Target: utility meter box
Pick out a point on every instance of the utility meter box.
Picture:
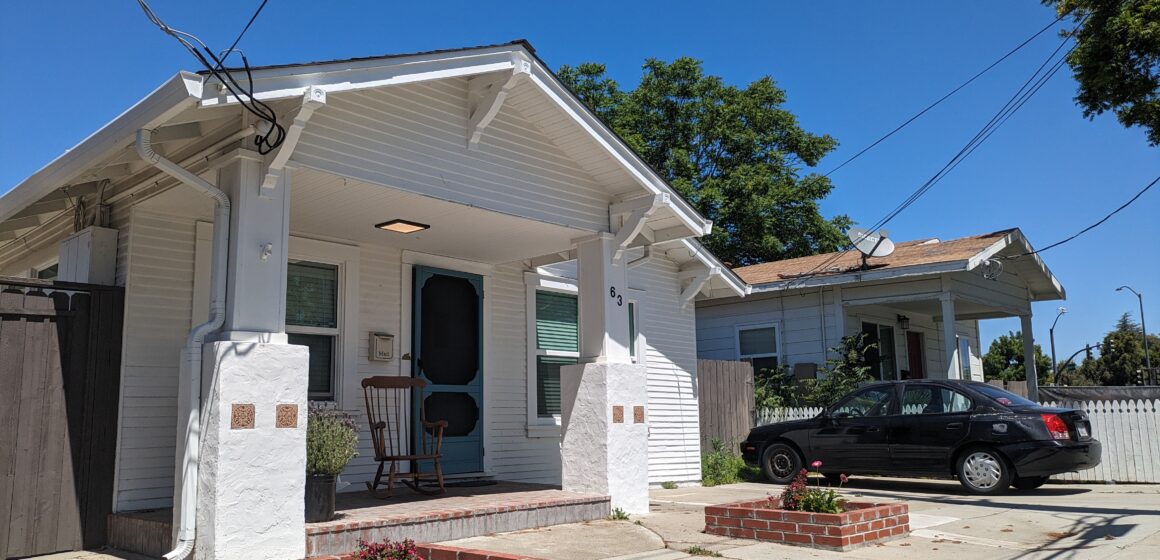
(89, 256)
(382, 347)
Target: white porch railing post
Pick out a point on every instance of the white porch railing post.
(950, 343)
(1029, 356)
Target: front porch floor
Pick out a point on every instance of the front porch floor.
(460, 513)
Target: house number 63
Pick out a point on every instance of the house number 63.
(619, 298)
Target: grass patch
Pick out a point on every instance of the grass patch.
(669, 485)
(698, 551)
(722, 467)
(618, 515)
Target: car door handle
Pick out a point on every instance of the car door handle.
(954, 425)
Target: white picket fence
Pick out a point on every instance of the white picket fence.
(1128, 430)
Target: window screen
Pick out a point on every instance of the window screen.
(557, 327)
(758, 341)
(312, 295)
(321, 361)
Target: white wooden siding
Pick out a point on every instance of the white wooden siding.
(414, 138)
(158, 303)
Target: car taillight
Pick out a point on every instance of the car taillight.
(1055, 426)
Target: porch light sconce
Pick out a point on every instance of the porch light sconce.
(402, 226)
(904, 322)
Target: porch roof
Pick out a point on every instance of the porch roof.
(911, 258)
(189, 109)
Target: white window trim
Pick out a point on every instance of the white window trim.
(537, 426)
(880, 322)
(752, 326)
(34, 272)
(640, 343)
(346, 258)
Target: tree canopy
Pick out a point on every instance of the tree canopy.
(735, 153)
(1004, 360)
(1121, 360)
(1117, 59)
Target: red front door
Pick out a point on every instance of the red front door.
(915, 351)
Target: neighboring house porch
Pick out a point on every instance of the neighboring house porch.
(921, 306)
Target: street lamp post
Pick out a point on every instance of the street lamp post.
(1144, 331)
(1051, 335)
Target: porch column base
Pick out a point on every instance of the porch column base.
(251, 483)
(605, 443)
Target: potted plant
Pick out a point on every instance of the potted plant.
(331, 442)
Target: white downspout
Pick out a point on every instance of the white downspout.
(190, 367)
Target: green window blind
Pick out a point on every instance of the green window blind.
(631, 329)
(548, 384)
(557, 327)
(312, 295)
(321, 362)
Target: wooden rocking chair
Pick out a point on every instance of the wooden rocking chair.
(388, 402)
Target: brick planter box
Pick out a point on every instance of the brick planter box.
(862, 524)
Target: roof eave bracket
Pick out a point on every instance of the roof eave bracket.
(633, 215)
(314, 98)
(485, 97)
(698, 284)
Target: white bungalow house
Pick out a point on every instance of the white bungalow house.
(273, 279)
(920, 305)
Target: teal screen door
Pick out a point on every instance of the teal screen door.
(448, 354)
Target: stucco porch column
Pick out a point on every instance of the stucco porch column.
(604, 399)
(1029, 356)
(253, 448)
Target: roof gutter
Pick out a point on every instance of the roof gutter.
(189, 401)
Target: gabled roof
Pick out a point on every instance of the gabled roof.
(27, 204)
(910, 258)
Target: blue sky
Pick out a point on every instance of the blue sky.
(851, 69)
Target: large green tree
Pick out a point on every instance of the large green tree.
(1121, 360)
(1004, 360)
(737, 154)
(1117, 59)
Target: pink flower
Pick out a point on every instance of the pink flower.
(816, 464)
(844, 479)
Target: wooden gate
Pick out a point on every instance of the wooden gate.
(725, 392)
(60, 362)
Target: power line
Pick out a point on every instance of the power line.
(945, 97)
(1091, 227)
(227, 52)
(266, 142)
(1030, 87)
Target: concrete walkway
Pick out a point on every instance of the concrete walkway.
(1057, 521)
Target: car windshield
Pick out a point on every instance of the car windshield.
(1002, 397)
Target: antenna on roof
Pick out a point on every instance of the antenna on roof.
(870, 244)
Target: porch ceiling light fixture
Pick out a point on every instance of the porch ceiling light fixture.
(904, 322)
(402, 226)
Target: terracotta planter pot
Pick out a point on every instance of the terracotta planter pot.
(319, 498)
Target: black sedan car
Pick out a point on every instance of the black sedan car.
(986, 437)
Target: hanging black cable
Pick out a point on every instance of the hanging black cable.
(266, 142)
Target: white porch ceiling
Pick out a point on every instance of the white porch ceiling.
(329, 206)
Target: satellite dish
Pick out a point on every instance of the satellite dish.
(870, 244)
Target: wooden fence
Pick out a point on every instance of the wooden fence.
(1126, 429)
(725, 393)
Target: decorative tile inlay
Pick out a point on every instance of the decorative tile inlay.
(638, 415)
(287, 416)
(617, 414)
(242, 417)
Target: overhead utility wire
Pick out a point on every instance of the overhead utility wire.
(266, 142)
(945, 97)
(1029, 88)
(1091, 227)
(226, 54)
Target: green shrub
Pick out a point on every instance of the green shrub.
(669, 485)
(799, 496)
(696, 550)
(618, 515)
(331, 441)
(842, 374)
(722, 467)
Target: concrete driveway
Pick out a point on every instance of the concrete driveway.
(1056, 521)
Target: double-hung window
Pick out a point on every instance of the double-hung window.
(758, 345)
(312, 320)
(557, 338)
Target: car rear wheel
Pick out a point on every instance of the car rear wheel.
(982, 470)
(1029, 482)
(781, 463)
